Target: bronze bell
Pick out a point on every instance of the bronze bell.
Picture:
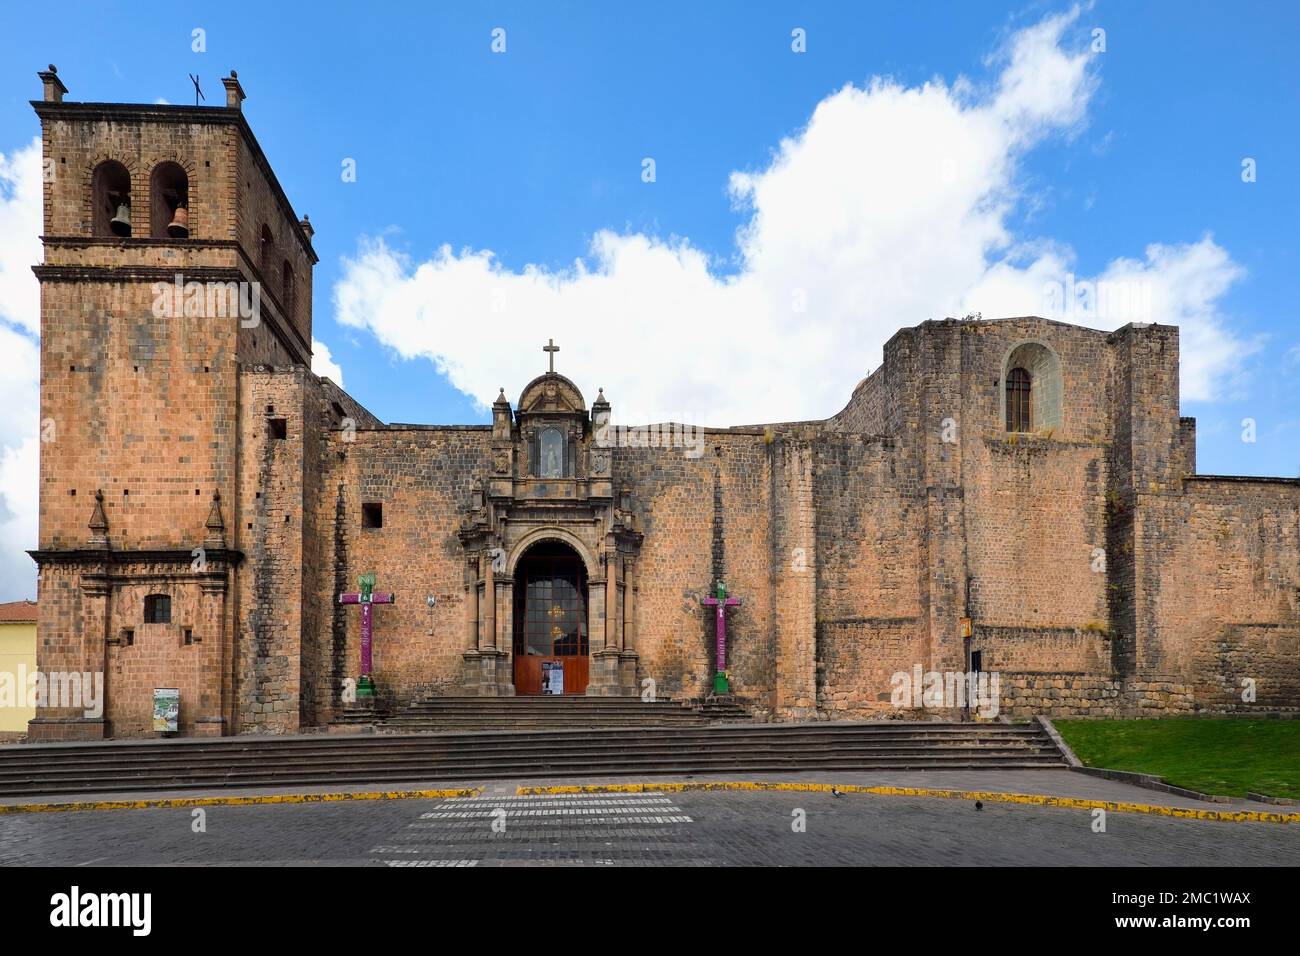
(179, 227)
(121, 221)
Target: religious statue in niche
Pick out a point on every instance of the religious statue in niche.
(551, 457)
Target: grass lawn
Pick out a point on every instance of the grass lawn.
(1226, 756)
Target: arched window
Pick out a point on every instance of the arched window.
(264, 253)
(157, 609)
(111, 200)
(550, 453)
(1033, 394)
(287, 290)
(1019, 418)
(169, 202)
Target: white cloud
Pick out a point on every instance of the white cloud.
(322, 363)
(19, 467)
(20, 243)
(888, 208)
(20, 249)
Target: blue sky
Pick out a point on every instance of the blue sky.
(536, 154)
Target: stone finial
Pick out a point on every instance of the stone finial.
(306, 226)
(501, 399)
(53, 86)
(216, 525)
(600, 398)
(234, 92)
(98, 522)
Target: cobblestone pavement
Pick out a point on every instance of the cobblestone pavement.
(498, 828)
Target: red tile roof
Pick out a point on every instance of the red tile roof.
(18, 612)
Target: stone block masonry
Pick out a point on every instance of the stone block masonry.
(195, 458)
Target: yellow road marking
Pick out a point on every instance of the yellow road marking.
(1041, 800)
(238, 801)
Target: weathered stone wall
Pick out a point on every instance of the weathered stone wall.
(704, 518)
(1093, 695)
(422, 477)
(869, 587)
(260, 204)
(269, 528)
(1225, 592)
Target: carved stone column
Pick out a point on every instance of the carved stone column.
(209, 720)
(628, 659)
(471, 604)
(489, 640)
(471, 672)
(485, 670)
(604, 678)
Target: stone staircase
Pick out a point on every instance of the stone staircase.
(433, 714)
(437, 758)
(724, 707)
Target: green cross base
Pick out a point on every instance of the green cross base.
(720, 685)
(365, 686)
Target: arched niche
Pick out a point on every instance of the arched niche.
(1042, 367)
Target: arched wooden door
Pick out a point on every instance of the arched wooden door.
(551, 644)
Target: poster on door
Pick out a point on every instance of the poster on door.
(552, 677)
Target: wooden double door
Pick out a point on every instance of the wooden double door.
(551, 643)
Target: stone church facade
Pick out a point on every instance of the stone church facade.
(205, 499)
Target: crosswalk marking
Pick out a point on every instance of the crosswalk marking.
(532, 826)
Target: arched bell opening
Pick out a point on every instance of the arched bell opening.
(169, 202)
(111, 200)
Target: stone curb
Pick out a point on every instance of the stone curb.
(1150, 781)
(1041, 800)
(1057, 739)
(237, 801)
(1265, 798)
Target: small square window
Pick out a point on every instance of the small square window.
(372, 515)
(188, 636)
(128, 636)
(158, 609)
(278, 428)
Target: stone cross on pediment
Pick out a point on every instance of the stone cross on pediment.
(551, 348)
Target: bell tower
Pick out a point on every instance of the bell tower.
(171, 259)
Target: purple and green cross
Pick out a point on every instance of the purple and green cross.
(366, 597)
(721, 602)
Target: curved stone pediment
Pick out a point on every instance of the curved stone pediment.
(551, 393)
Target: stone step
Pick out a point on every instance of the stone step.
(785, 732)
(543, 766)
(577, 752)
(184, 779)
(262, 761)
(802, 735)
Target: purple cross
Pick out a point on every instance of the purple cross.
(721, 602)
(367, 597)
